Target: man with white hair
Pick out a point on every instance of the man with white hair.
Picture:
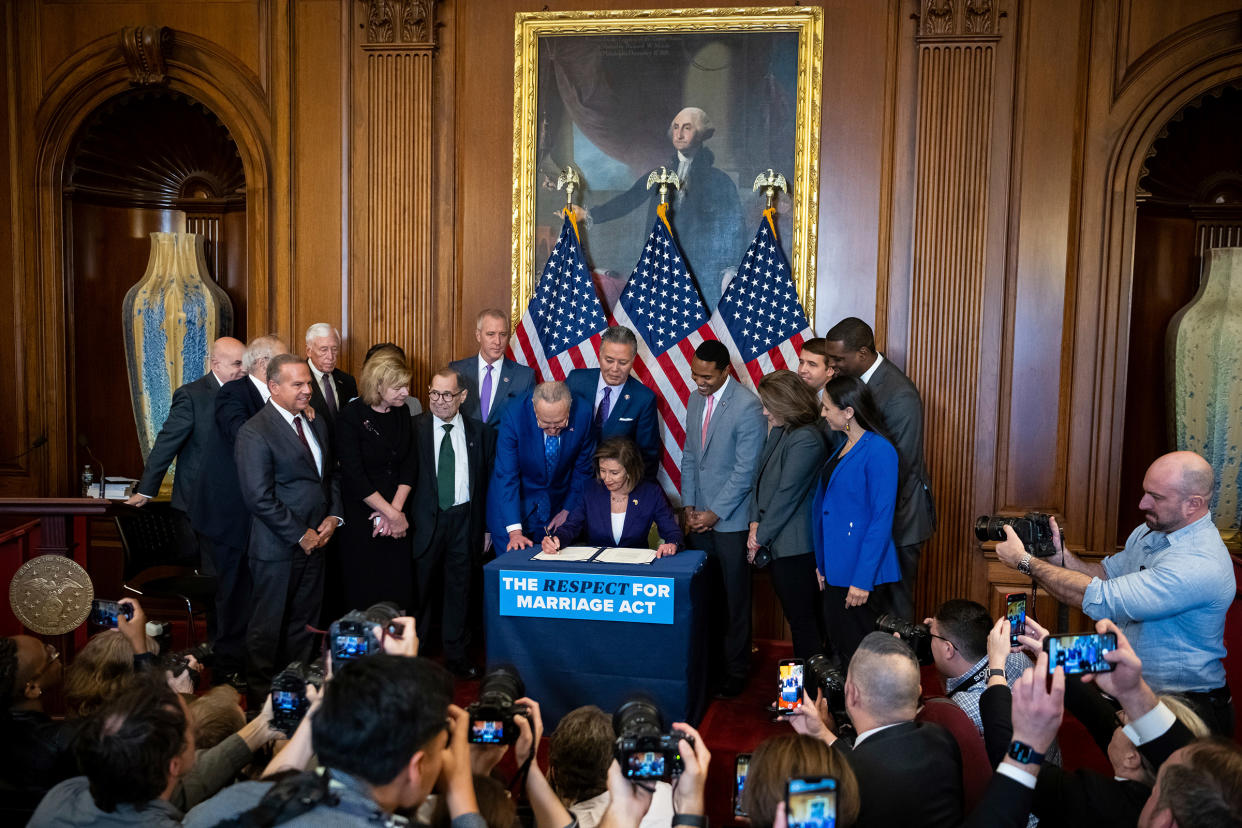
(706, 212)
(332, 387)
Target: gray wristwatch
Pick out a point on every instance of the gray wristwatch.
(1024, 565)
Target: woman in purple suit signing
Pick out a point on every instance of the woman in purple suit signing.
(618, 506)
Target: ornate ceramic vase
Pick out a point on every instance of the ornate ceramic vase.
(1204, 352)
(170, 318)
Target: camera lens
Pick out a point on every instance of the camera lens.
(501, 686)
(637, 716)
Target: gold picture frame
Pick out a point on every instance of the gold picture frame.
(718, 34)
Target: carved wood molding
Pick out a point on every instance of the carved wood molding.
(958, 18)
(400, 22)
(145, 48)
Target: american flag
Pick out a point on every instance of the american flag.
(662, 305)
(560, 329)
(759, 318)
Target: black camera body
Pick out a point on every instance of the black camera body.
(644, 749)
(1034, 529)
(917, 636)
(820, 675)
(492, 716)
(353, 634)
(289, 702)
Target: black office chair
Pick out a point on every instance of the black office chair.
(157, 564)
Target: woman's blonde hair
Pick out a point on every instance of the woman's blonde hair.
(384, 370)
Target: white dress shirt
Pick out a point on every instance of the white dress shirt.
(618, 526)
(264, 391)
(870, 372)
(316, 451)
(461, 467)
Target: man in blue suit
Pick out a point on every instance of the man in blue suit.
(725, 431)
(544, 455)
(623, 406)
(492, 381)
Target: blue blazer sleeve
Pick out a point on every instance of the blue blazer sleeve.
(571, 529)
(584, 463)
(880, 473)
(647, 435)
(504, 490)
(174, 434)
(665, 521)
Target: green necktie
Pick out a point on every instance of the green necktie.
(444, 469)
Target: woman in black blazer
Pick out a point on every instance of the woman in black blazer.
(780, 503)
(619, 506)
(375, 444)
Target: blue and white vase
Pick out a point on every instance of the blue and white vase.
(170, 318)
(1204, 355)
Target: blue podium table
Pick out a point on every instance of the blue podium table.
(549, 620)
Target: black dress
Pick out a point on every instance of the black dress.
(377, 454)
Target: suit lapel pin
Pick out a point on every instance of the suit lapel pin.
(504, 379)
(635, 501)
(626, 397)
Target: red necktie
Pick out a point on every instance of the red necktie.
(297, 423)
(707, 418)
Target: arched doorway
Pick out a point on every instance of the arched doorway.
(146, 160)
(1189, 199)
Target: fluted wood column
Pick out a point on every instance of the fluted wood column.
(958, 274)
(391, 223)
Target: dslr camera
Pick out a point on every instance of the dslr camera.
(353, 635)
(289, 702)
(820, 675)
(1034, 529)
(492, 715)
(644, 749)
(917, 636)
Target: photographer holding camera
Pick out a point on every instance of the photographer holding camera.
(386, 734)
(1168, 590)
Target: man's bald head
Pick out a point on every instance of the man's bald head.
(1177, 490)
(226, 359)
(883, 681)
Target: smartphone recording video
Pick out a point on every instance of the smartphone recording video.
(811, 802)
(1080, 653)
(790, 699)
(1015, 611)
(740, 768)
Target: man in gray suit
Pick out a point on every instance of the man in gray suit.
(725, 430)
(287, 476)
(851, 351)
(491, 380)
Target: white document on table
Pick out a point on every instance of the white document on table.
(616, 554)
(569, 553)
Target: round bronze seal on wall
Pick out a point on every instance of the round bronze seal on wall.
(51, 594)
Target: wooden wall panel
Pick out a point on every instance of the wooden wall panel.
(318, 130)
(391, 241)
(63, 27)
(963, 124)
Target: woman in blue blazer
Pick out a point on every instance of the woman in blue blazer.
(618, 506)
(852, 515)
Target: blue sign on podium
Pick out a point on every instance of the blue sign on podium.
(585, 595)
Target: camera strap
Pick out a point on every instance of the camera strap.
(979, 676)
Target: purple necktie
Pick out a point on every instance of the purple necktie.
(601, 413)
(485, 396)
(329, 393)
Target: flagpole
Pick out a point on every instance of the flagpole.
(668, 180)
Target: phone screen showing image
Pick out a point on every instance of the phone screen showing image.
(1079, 654)
(790, 698)
(811, 802)
(104, 613)
(1015, 611)
(740, 768)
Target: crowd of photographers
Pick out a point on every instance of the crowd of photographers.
(370, 735)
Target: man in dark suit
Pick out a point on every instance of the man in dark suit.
(851, 351)
(454, 460)
(185, 432)
(623, 406)
(725, 430)
(492, 382)
(331, 387)
(287, 476)
(219, 513)
(544, 455)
